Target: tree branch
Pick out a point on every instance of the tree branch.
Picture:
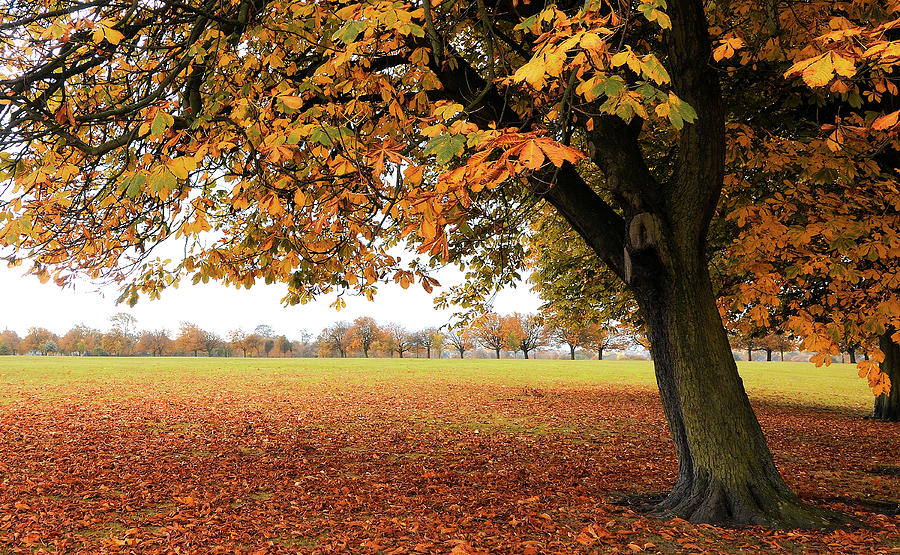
(700, 167)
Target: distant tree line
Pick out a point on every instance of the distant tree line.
(490, 335)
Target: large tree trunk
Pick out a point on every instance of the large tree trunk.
(887, 407)
(498, 352)
(726, 473)
(852, 352)
(768, 355)
(526, 353)
(599, 353)
(572, 351)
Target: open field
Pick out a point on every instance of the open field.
(330, 455)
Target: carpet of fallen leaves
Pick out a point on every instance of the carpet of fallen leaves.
(441, 467)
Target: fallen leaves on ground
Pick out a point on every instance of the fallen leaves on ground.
(446, 468)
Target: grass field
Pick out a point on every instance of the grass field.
(795, 383)
(399, 456)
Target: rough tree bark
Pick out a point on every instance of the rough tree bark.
(599, 353)
(887, 407)
(726, 473)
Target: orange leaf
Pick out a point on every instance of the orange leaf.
(531, 156)
(886, 121)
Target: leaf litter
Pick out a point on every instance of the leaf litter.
(412, 468)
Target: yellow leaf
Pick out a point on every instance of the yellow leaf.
(842, 66)
(554, 63)
(533, 72)
(592, 41)
(113, 36)
(180, 167)
(292, 102)
(819, 72)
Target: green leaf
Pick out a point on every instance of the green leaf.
(686, 112)
(653, 70)
(528, 23)
(161, 179)
(161, 122)
(445, 147)
(349, 31)
(134, 184)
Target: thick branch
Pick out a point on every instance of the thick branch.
(602, 228)
(590, 216)
(697, 181)
(613, 146)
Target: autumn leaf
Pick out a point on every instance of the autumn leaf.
(886, 121)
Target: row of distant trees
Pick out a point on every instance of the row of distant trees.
(492, 335)
(773, 345)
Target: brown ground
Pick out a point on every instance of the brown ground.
(444, 468)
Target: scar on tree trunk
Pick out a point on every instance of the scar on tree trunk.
(887, 407)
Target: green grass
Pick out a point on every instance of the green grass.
(794, 383)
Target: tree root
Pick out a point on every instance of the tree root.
(708, 500)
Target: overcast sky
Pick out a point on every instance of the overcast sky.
(27, 303)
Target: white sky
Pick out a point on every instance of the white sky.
(27, 302)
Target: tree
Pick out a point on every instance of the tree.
(461, 338)
(264, 330)
(111, 343)
(436, 342)
(395, 339)
(491, 331)
(48, 347)
(253, 342)
(285, 345)
(574, 335)
(124, 326)
(155, 342)
(190, 338)
(347, 130)
(10, 340)
(268, 344)
(80, 339)
(780, 342)
(887, 405)
(238, 338)
(37, 337)
(526, 332)
(336, 338)
(363, 334)
(602, 337)
(748, 341)
(209, 341)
